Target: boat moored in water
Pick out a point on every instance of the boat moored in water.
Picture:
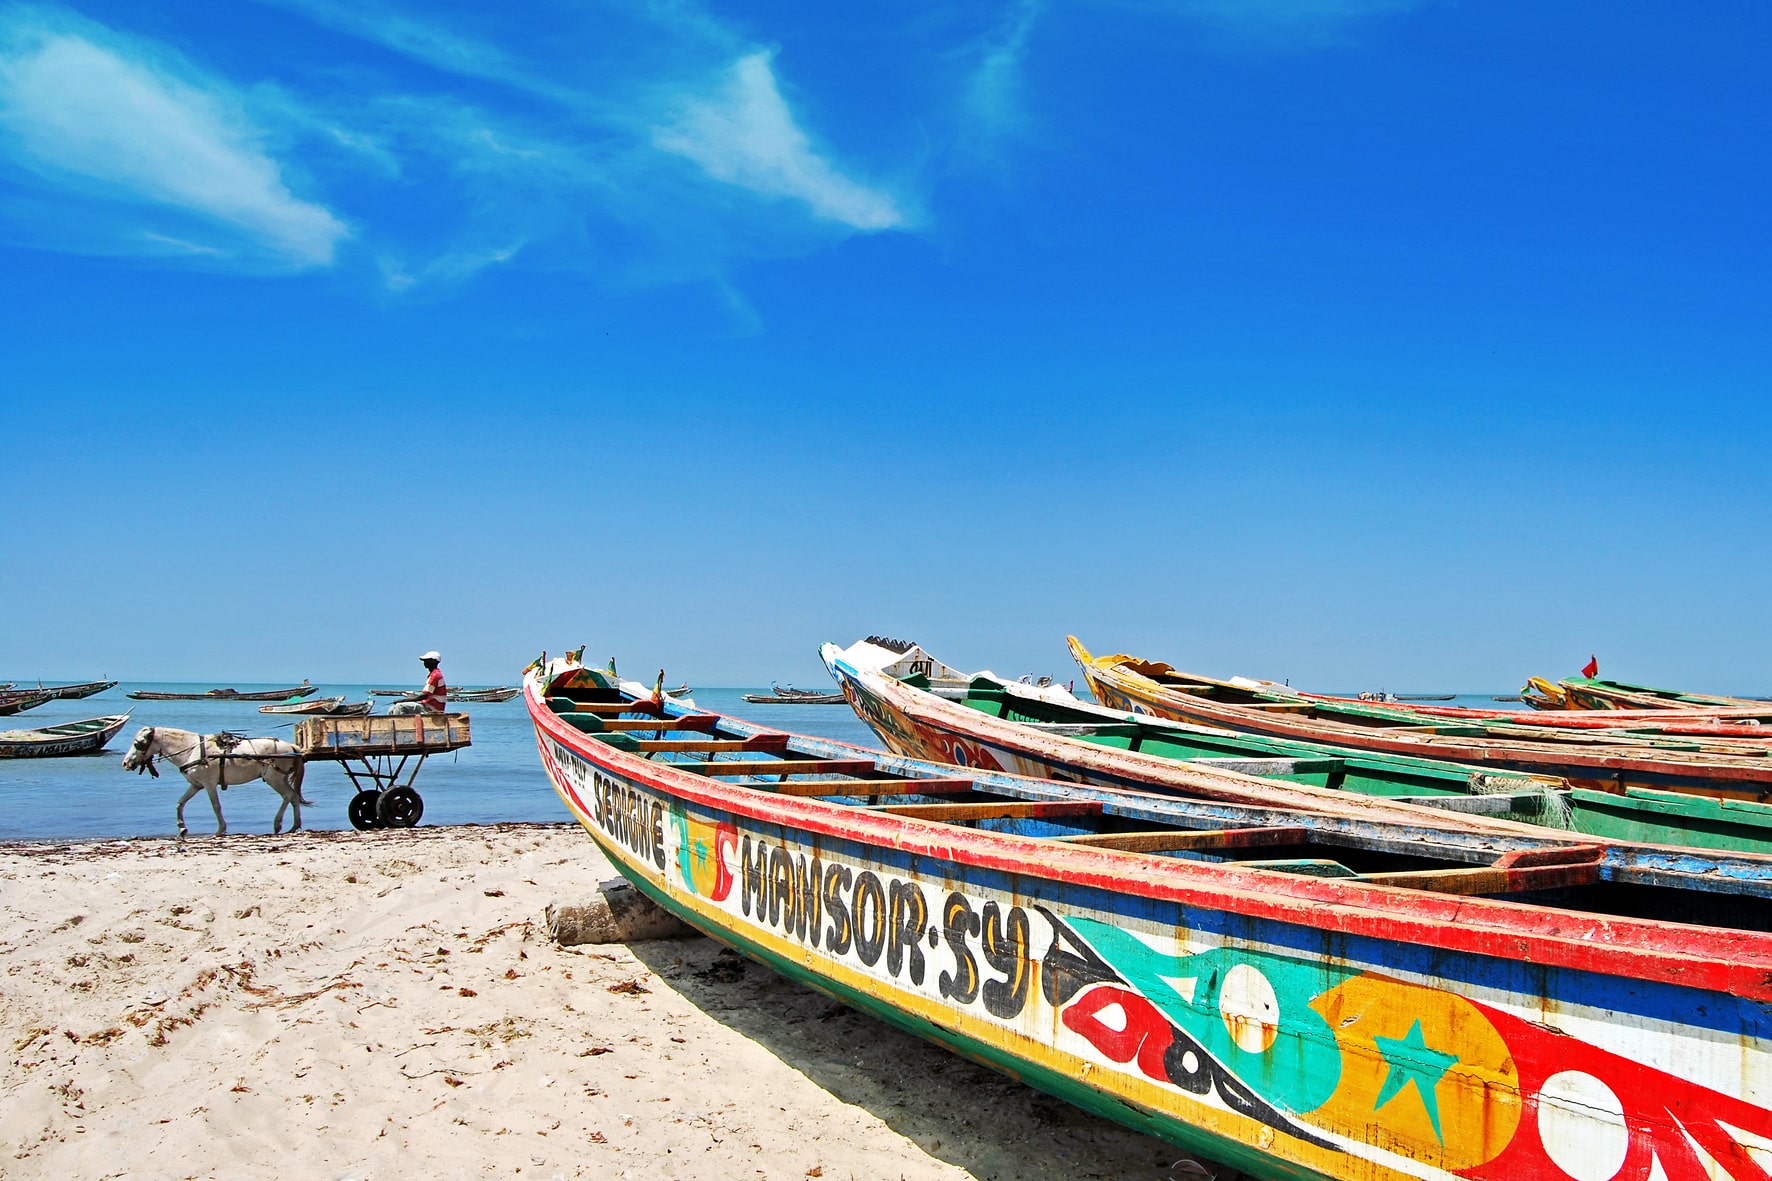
(1446, 1003)
(66, 738)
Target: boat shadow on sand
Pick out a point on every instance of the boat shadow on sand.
(957, 1111)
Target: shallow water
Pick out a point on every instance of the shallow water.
(498, 778)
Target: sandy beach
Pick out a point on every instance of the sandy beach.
(365, 1005)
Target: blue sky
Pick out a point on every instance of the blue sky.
(1360, 342)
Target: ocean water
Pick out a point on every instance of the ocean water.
(498, 778)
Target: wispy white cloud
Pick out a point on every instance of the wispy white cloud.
(1289, 23)
(994, 92)
(113, 119)
(744, 134)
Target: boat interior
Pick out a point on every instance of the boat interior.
(1564, 871)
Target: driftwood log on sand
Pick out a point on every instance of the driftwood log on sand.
(616, 913)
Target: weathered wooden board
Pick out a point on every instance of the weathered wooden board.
(400, 734)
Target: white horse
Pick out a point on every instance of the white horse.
(209, 761)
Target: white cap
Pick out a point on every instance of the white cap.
(432, 655)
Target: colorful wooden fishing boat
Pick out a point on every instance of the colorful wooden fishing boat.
(1174, 965)
(18, 701)
(301, 690)
(1656, 771)
(67, 738)
(1752, 723)
(1050, 734)
(1594, 693)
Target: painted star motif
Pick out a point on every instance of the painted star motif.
(1411, 1061)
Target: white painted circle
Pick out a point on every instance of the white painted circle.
(1250, 1009)
(1190, 1062)
(1581, 1124)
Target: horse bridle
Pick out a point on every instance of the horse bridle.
(142, 742)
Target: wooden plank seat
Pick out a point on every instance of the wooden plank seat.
(871, 787)
(1517, 872)
(764, 743)
(725, 767)
(694, 723)
(996, 810)
(1191, 840)
(562, 705)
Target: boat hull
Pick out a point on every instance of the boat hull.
(60, 741)
(1285, 1038)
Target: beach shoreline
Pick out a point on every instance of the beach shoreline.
(335, 1004)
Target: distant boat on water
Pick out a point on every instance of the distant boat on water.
(501, 693)
(226, 694)
(779, 695)
(77, 692)
(336, 707)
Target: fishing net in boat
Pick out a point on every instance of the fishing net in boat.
(1535, 800)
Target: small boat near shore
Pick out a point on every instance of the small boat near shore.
(66, 738)
(336, 707)
(303, 690)
(1290, 992)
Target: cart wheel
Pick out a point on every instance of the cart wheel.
(400, 808)
(362, 809)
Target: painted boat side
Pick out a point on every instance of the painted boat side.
(1125, 1045)
(69, 738)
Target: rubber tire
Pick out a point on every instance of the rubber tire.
(400, 807)
(361, 810)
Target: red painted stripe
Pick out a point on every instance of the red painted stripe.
(1731, 961)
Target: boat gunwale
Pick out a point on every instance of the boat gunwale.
(1729, 960)
(1733, 767)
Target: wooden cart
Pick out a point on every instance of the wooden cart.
(376, 752)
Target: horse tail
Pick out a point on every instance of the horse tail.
(295, 778)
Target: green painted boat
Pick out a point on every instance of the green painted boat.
(1048, 733)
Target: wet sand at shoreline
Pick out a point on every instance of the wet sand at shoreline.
(366, 1005)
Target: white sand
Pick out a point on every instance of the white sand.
(380, 1005)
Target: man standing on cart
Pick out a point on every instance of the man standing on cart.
(434, 697)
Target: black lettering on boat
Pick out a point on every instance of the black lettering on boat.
(958, 922)
(658, 835)
(781, 889)
(836, 884)
(909, 915)
(1006, 947)
(870, 918)
(808, 875)
(755, 886)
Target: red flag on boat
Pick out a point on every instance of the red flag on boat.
(1591, 669)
